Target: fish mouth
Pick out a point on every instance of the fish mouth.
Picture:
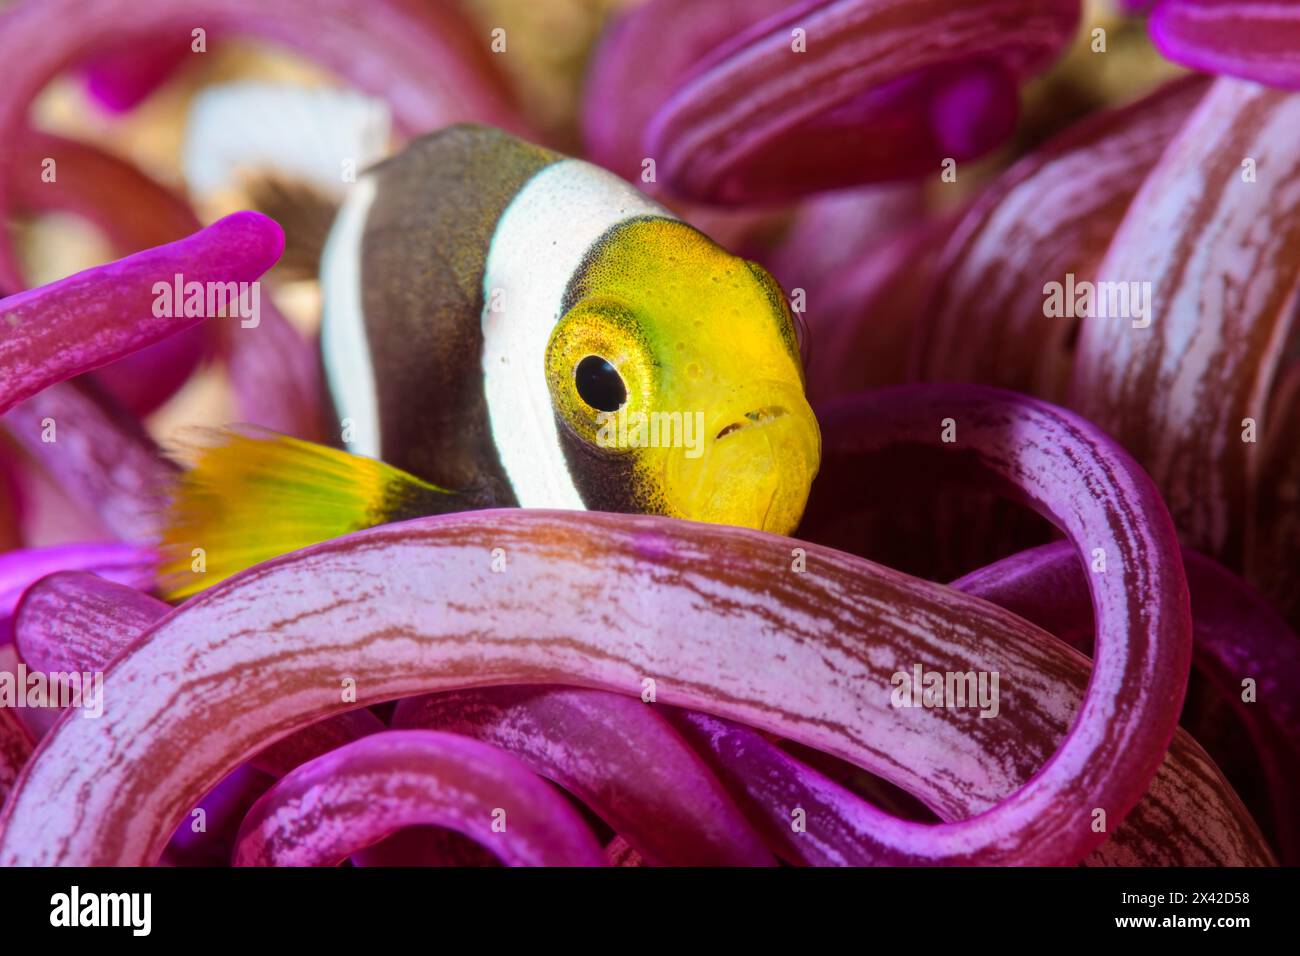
(757, 465)
(755, 419)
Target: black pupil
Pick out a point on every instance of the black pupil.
(599, 384)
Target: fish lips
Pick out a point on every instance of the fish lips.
(755, 463)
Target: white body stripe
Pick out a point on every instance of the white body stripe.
(344, 348)
(538, 245)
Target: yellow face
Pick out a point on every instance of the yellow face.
(676, 375)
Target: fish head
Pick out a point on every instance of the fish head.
(677, 384)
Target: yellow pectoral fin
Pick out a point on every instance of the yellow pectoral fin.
(251, 496)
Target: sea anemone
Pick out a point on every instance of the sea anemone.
(1046, 280)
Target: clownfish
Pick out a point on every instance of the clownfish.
(506, 326)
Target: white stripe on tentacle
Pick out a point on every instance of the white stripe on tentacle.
(344, 349)
(538, 245)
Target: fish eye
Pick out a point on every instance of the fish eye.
(599, 384)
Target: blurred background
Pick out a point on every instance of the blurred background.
(551, 43)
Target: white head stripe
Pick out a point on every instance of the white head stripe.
(538, 245)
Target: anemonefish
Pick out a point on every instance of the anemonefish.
(505, 326)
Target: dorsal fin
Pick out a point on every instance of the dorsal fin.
(292, 152)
